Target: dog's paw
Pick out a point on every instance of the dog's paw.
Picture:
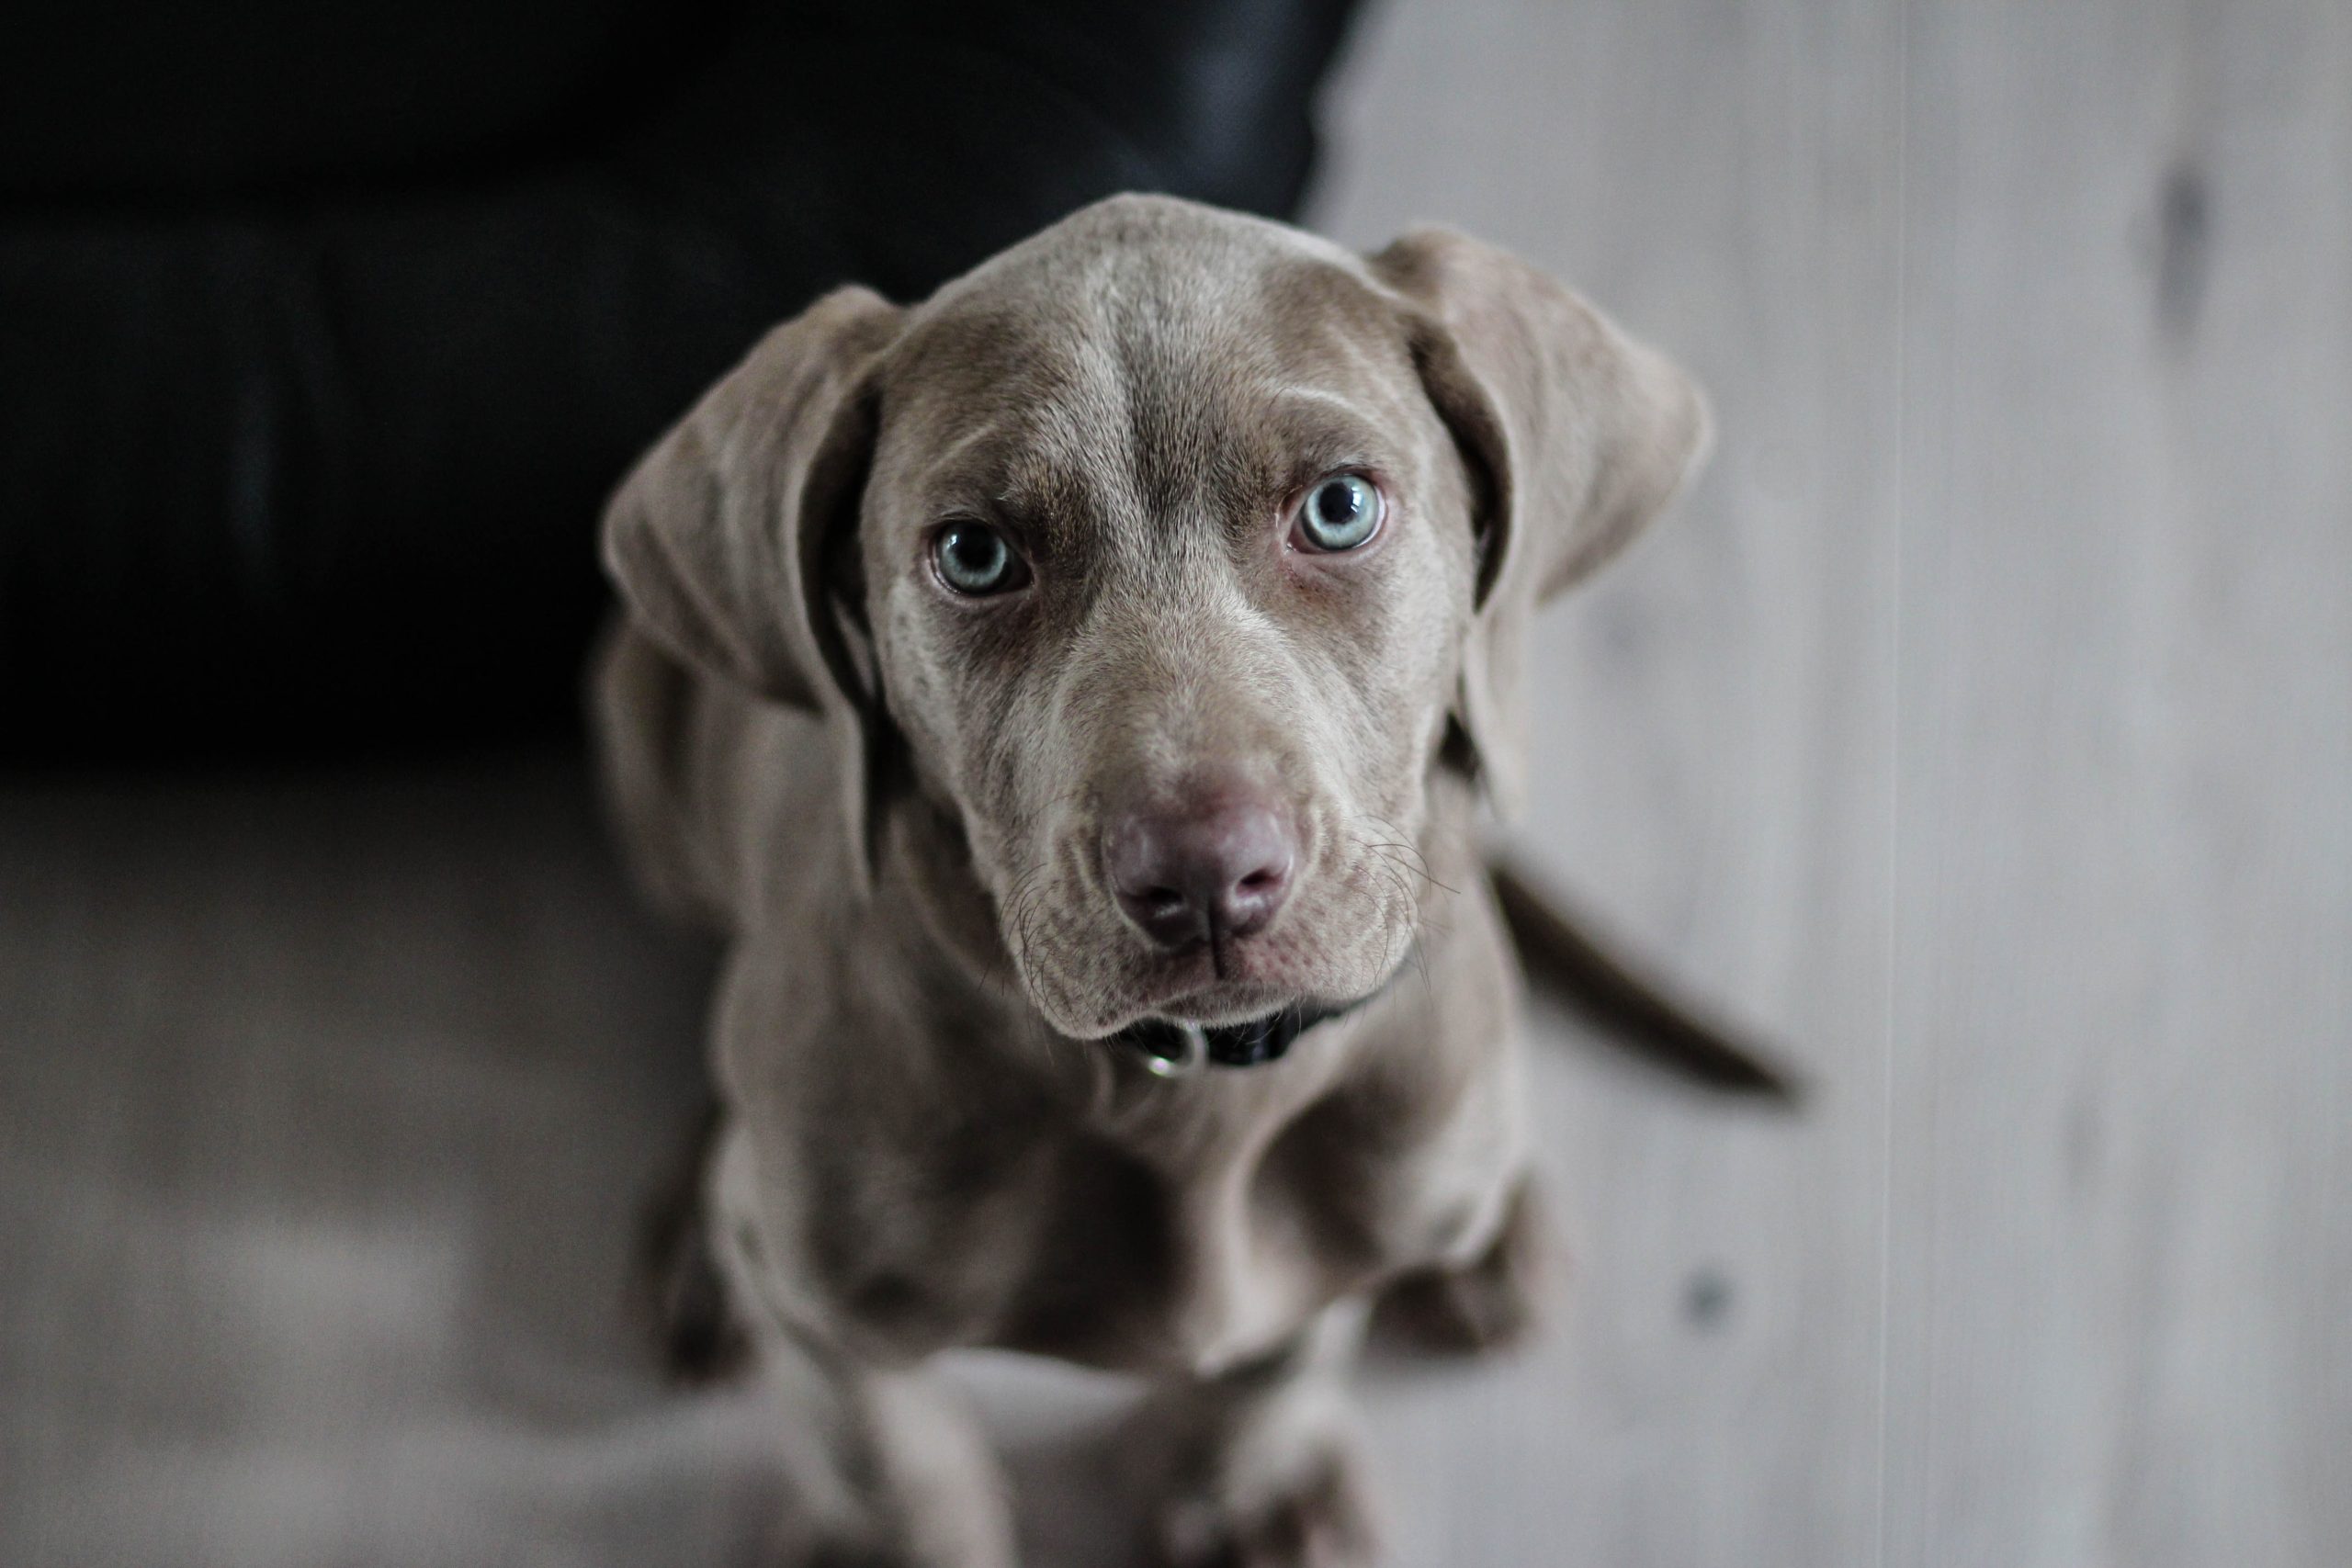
(1319, 1517)
(1493, 1302)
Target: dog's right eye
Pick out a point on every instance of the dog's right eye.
(973, 559)
(1342, 513)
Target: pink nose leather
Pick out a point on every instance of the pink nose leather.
(1201, 874)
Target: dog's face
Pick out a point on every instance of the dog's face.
(1176, 552)
(1169, 563)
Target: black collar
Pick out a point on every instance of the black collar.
(1171, 1048)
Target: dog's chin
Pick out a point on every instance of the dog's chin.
(1219, 1003)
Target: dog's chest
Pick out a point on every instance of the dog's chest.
(1177, 1234)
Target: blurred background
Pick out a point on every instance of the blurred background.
(1979, 729)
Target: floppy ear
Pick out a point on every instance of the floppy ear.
(1575, 437)
(727, 540)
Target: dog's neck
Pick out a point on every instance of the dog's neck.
(1179, 1047)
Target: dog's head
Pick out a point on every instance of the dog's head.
(1169, 556)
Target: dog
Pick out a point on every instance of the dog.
(1074, 700)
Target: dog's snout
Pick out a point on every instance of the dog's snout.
(1201, 871)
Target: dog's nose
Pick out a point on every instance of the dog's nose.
(1219, 868)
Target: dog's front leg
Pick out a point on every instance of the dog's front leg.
(884, 1468)
(1492, 1302)
(1261, 1467)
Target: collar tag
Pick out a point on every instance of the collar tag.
(1190, 1045)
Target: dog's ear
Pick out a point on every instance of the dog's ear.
(1575, 435)
(732, 541)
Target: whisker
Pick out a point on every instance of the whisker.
(1402, 841)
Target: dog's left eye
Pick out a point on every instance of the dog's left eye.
(974, 558)
(1342, 513)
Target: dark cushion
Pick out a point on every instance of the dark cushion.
(321, 345)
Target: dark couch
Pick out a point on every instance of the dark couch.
(324, 330)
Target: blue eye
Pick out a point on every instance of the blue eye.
(1340, 513)
(975, 560)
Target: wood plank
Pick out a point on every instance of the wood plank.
(324, 1106)
(2124, 872)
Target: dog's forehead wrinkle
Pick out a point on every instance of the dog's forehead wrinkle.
(1136, 379)
(1325, 406)
(972, 460)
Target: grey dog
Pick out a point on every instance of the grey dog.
(1075, 698)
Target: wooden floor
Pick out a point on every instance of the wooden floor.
(1981, 728)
